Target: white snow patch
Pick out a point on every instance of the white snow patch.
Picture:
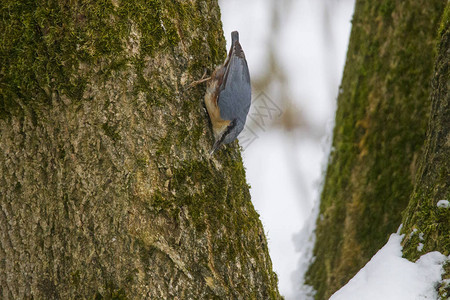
(420, 247)
(443, 204)
(411, 233)
(421, 236)
(388, 276)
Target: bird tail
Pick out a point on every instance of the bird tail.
(234, 37)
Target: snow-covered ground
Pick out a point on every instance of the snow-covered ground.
(388, 276)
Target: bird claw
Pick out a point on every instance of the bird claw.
(201, 80)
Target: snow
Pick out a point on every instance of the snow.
(389, 276)
(421, 236)
(420, 247)
(443, 204)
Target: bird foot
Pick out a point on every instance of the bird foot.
(201, 80)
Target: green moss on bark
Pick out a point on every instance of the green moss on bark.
(380, 127)
(424, 221)
(112, 193)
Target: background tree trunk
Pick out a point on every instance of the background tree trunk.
(381, 121)
(107, 189)
(426, 224)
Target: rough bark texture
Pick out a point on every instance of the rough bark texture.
(106, 186)
(425, 224)
(381, 120)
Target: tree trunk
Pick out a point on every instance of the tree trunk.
(381, 120)
(426, 221)
(107, 188)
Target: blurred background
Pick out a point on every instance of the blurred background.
(296, 54)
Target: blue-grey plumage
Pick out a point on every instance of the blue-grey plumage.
(228, 95)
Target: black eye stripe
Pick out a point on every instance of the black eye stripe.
(231, 126)
(227, 131)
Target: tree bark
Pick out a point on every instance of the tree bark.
(381, 120)
(426, 221)
(107, 188)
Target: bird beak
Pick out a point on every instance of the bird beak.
(215, 147)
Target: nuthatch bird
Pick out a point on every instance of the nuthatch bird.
(228, 95)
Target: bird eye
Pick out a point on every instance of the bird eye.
(231, 126)
(228, 130)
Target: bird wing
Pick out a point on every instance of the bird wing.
(235, 91)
